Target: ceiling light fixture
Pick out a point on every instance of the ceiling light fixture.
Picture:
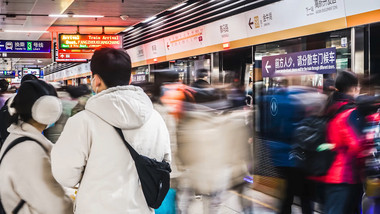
(26, 31)
(88, 16)
(177, 6)
(128, 29)
(59, 15)
(149, 19)
(24, 63)
(27, 60)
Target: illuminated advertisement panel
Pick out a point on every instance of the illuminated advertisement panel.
(88, 41)
(34, 71)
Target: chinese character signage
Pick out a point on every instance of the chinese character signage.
(88, 41)
(25, 46)
(322, 61)
(186, 40)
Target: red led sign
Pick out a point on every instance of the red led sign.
(88, 41)
(68, 55)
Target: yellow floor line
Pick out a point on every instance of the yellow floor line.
(254, 200)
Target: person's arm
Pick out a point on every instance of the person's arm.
(69, 155)
(35, 184)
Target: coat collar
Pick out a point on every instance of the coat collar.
(27, 130)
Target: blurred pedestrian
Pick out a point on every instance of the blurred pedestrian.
(201, 82)
(236, 95)
(281, 109)
(214, 150)
(81, 94)
(203, 91)
(90, 151)
(342, 184)
(174, 94)
(3, 88)
(26, 180)
(68, 103)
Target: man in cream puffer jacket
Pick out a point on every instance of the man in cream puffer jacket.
(89, 151)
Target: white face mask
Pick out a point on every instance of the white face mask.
(50, 125)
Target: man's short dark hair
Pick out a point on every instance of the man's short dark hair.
(345, 81)
(112, 65)
(28, 77)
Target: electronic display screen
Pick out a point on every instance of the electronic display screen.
(88, 41)
(34, 71)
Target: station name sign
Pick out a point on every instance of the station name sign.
(88, 41)
(25, 46)
(25, 49)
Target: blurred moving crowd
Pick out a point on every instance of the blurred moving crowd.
(60, 139)
(325, 144)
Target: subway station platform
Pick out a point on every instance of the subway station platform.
(262, 203)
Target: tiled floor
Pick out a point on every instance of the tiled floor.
(262, 204)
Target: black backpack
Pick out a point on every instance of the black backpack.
(11, 145)
(309, 134)
(154, 175)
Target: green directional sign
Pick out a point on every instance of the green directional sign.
(29, 46)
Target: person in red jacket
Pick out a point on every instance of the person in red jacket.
(343, 188)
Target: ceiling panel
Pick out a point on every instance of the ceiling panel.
(33, 15)
(34, 22)
(14, 6)
(137, 10)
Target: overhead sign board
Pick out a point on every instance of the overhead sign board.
(25, 46)
(321, 61)
(88, 41)
(25, 49)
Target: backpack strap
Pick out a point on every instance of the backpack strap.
(165, 178)
(133, 152)
(20, 140)
(11, 145)
(18, 207)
